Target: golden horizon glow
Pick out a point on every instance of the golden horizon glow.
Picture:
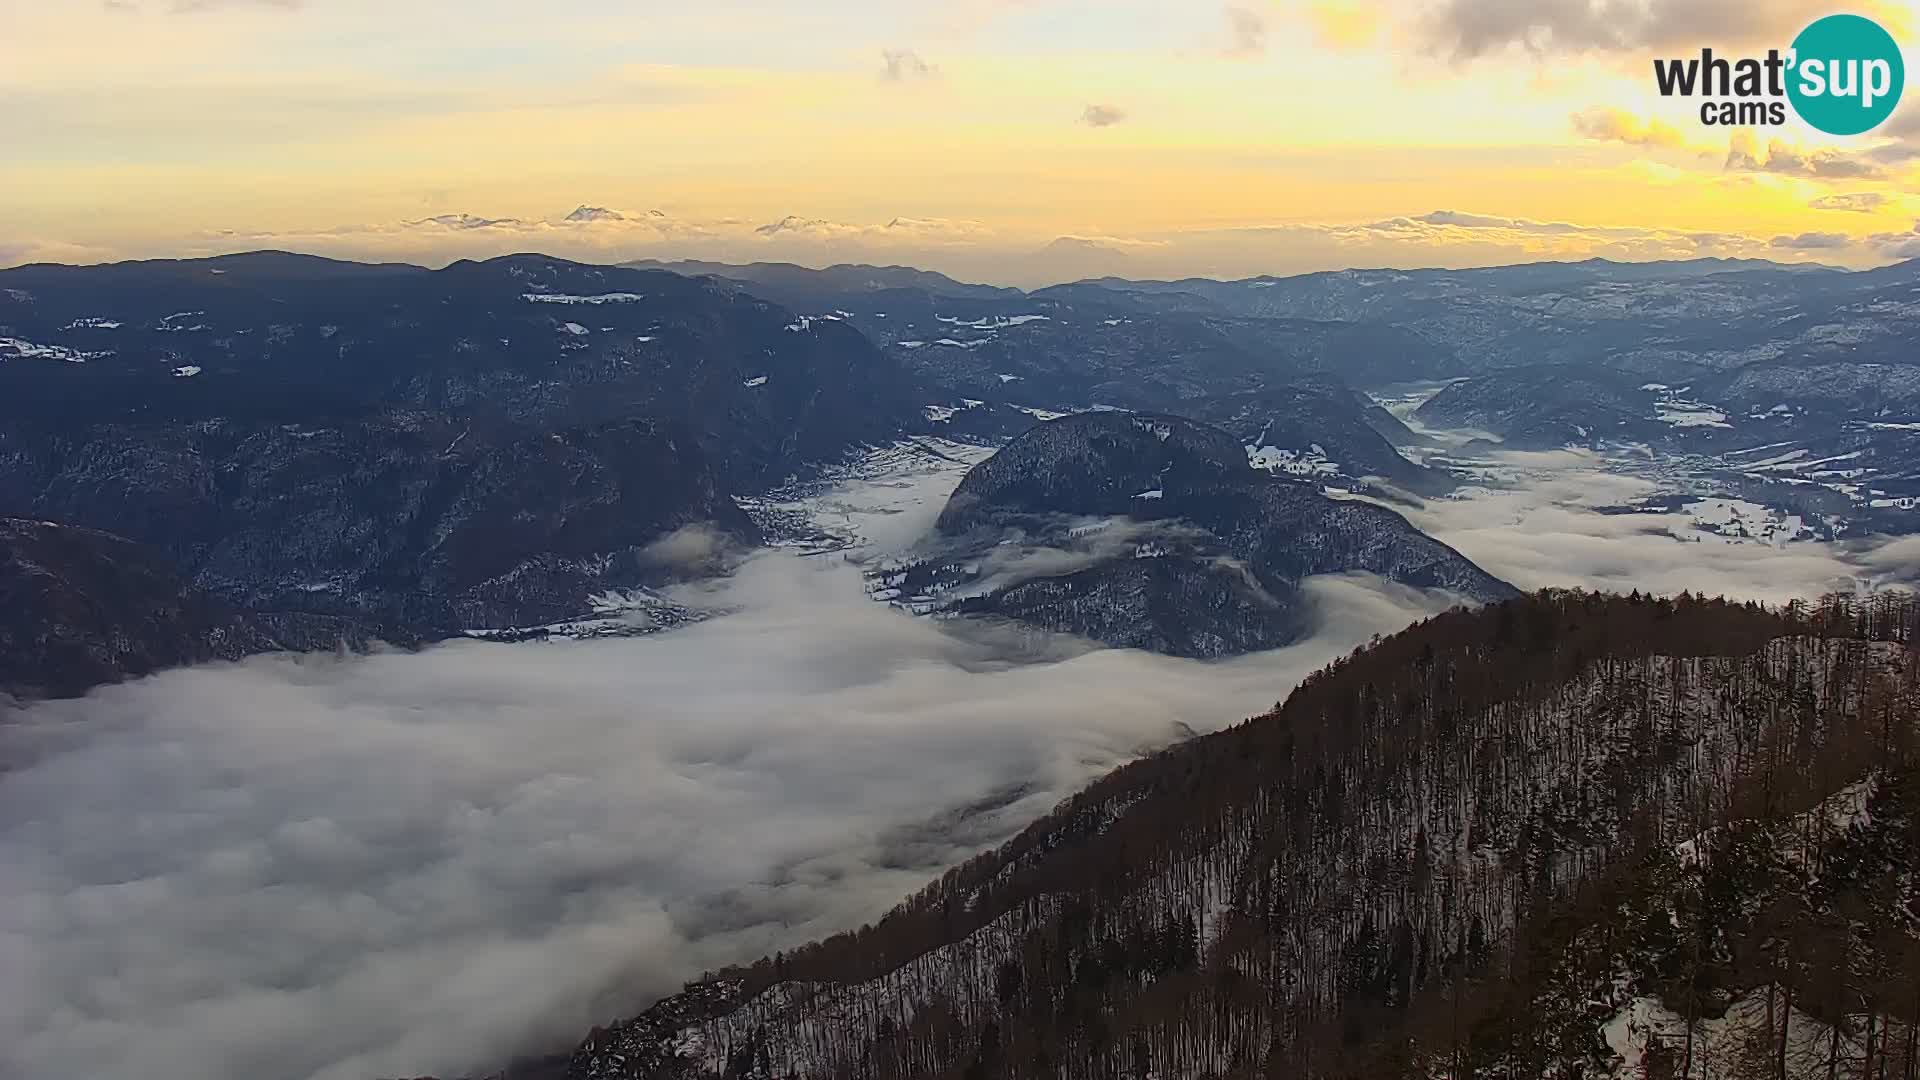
(1254, 137)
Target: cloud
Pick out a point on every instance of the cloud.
(1857, 201)
(466, 221)
(967, 248)
(1897, 245)
(1493, 238)
(792, 224)
(1615, 125)
(1010, 563)
(1246, 31)
(690, 549)
(1102, 115)
(215, 5)
(341, 868)
(902, 65)
(1904, 132)
(1745, 155)
(1487, 221)
(896, 230)
(190, 7)
(1547, 529)
(601, 234)
(1811, 241)
(1467, 29)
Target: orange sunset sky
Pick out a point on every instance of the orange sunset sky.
(1011, 140)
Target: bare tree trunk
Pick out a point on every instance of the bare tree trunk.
(1866, 1069)
(1833, 1050)
(1911, 1071)
(1786, 1024)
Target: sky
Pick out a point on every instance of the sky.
(1015, 140)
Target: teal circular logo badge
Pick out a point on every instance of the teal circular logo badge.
(1846, 74)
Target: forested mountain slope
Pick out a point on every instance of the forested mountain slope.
(1567, 835)
(79, 607)
(484, 446)
(1155, 532)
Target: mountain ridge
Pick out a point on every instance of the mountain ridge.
(1299, 895)
(1160, 535)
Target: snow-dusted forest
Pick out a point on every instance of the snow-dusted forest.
(1568, 835)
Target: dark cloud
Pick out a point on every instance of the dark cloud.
(1466, 29)
(1246, 31)
(1102, 115)
(465, 221)
(1897, 245)
(1710, 241)
(1514, 239)
(1811, 241)
(1904, 130)
(900, 65)
(1858, 201)
(792, 223)
(1462, 220)
(1779, 157)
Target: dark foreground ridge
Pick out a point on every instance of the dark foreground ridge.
(1476, 848)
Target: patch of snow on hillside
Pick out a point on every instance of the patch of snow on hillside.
(1039, 414)
(874, 506)
(1680, 413)
(1160, 431)
(991, 322)
(567, 298)
(17, 349)
(1310, 462)
(1740, 521)
(1645, 1020)
(171, 325)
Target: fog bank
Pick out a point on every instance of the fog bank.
(409, 863)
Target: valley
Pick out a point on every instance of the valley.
(933, 581)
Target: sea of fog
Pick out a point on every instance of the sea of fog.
(346, 867)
